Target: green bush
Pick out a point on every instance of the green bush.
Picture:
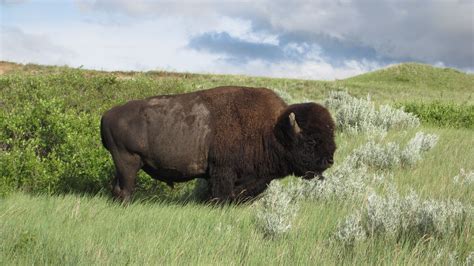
(443, 114)
(48, 147)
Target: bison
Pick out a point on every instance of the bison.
(238, 138)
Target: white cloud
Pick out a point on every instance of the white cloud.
(19, 46)
(319, 70)
(145, 35)
(428, 31)
(148, 45)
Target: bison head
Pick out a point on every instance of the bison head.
(306, 131)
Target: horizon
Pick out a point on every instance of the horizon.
(81, 67)
(308, 40)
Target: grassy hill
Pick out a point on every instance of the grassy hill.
(399, 83)
(55, 207)
(420, 75)
(412, 82)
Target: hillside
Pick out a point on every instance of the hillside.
(418, 75)
(400, 83)
(419, 78)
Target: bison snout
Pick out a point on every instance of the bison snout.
(330, 161)
(327, 162)
(311, 175)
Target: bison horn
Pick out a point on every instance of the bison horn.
(294, 124)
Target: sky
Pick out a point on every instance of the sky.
(306, 39)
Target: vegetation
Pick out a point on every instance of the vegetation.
(276, 210)
(443, 114)
(394, 196)
(355, 115)
(412, 81)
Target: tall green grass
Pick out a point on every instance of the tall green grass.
(85, 230)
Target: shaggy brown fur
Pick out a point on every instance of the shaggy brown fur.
(236, 137)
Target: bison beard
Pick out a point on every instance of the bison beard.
(237, 138)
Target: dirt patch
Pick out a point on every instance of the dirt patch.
(6, 67)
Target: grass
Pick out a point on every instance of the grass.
(412, 81)
(84, 229)
(92, 230)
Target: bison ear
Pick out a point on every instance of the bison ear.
(294, 124)
(287, 129)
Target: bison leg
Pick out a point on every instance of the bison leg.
(221, 183)
(126, 168)
(251, 189)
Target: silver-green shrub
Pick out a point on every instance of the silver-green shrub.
(464, 178)
(470, 259)
(344, 182)
(350, 230)
(351, 178)
(296, 189)
(392, 118)
(376, 155)
(352, 115)
(394, 217)
(355, 115)
(382, 214)
(390, 155)
(276, 210)
(418, 145)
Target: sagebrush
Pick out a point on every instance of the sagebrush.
(354, 115)
(276, 210)
(404, 218)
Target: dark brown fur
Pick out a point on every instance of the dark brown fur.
(236, 137)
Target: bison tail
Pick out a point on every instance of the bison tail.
(103, 135)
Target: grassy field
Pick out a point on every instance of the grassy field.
(55, 209)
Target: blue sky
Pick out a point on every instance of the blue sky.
(298, 39)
